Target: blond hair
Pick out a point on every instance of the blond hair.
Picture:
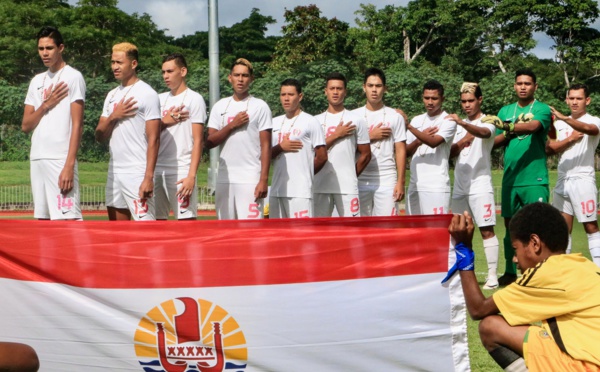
(130, 50)
(243, 62)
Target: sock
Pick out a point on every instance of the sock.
(508, 360)
(491, 247)
(509, 253)
(594, 243)
(569, 245)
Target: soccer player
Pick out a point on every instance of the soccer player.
(559, 291)
(381, 184)
(54, 113)
(131, 120)
(575, 193)
(523, 127)
(429, 141)
(241, 125)
(183, 114)
(349, 152)
(298, 153)
(473, 190)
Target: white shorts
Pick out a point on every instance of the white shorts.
(166, 199)
(481, 206)
(122, 192)
(290, 207)
(48, 201)
(577, 197)
(346, 205)
(377, 200)
(235, 201)
(425, 202)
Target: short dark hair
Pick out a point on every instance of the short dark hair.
(543, 220)
(178, 58)
(586, 90)
(52, 33)
(292, 83)
(336, 76)
(374, 72)
(526, 71)
(434, 85)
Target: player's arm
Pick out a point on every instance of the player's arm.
(579, 126)
(475, 130)
(218, 136)
(527, 127)
(320, 158)
(175, 115)
(379, 132)
(65, 179)
(260, 191)
(189, 183)
(557, 147)
(461, 228)
(400, 154)
(457, 147)
(123, 109)
(412, 147)
(428, 138)
(341, 131)
(286, 145)
(32, 117)
(364, 157)
(153, 137)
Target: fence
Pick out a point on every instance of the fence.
(92, 198)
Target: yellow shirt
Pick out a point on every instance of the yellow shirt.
(563, 293)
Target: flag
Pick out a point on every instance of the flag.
(359, 294)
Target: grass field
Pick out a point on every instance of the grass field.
(17, 173)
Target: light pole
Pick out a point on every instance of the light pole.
(214, 89)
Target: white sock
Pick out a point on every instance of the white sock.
(594, 243)
(569, 245)
(517, 366)
(491, 247)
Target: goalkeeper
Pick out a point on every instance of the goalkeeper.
(558, 292)
(522, 127)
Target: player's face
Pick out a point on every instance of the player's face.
(49, 52)
(470, 104)
(123, 68)
(172, 74)
(433, 101)
(577, 102)
(335, 92)
(240, 79)
(524, 255)
(374, 89)
(290, 99)
(525, 87)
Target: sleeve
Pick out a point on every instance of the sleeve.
(399, 129)
(317, 137)
(265, 118)
(447, 130)
(410, 138)
(276, 129)
(77, 88)
(215, 118)
(362, 132)
(543, 114)
(198, 110)
(460, 133)
(31, 91)
(152, 106)
(106, 111)
(491, 128)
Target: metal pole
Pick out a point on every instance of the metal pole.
(215, 91)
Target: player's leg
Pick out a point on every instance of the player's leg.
(483, 210)
(18, 357)
(161, 196)
(40, 203)
(434, 202)
(323, 205)
(245, 205)
(224, 201)
(299, 207)
(276, 208)
(504, 342)
(116, 206)
(347, 205)
(562, 202)
(383, 202)
(62, 206)
(584, 197)
(510, 204)
(413, 203)
(366, 195)
(140, 209)
(184, 208)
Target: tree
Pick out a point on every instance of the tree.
(308, 37)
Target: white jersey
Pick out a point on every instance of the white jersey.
(382, 169)
(578, 160)
(177, 141)
(50, 139)
(473, 169)
(239, 159)
(128, 143)
(429, 166)
(293, 172)
(338, 175)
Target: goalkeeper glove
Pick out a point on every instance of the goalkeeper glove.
(495, 121)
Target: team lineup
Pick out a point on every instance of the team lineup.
(341, 162)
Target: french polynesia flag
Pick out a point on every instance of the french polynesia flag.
(360, 294)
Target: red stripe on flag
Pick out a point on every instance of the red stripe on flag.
(221, 253)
